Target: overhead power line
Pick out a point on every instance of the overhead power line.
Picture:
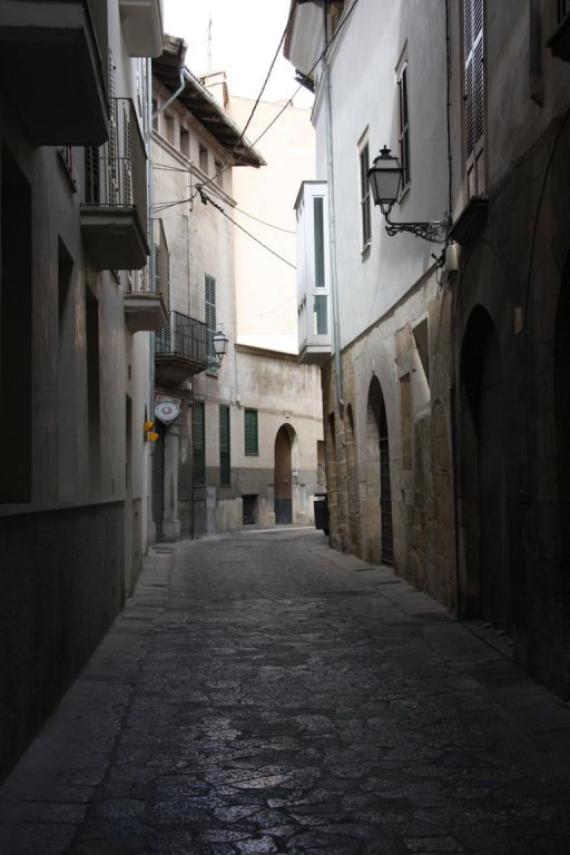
(287, 103)
(207, 201)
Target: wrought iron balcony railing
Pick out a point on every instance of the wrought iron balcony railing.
(183, 337)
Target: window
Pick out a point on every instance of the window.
(185, 142)
(93, 387)
(225, 462)
(198, 444)
(211, 323)
(15, 331)
(250, 433)
(404, 136)
(320, 324)
(203, 158)
(474, 95)
(319, 233)
(219, 173)
(170, 129)
(364, 195)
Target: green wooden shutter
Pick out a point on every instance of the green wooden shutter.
(250, 433)
(225, 461)
(211, 322)
(199, 443)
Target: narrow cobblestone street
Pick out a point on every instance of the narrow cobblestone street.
(262, 693)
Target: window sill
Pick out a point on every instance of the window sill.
(251, 453)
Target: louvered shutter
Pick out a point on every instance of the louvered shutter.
(474, 96)
(211, 322)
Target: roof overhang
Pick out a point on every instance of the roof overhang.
(201, 104)
(304, 34)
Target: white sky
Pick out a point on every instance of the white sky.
(245, 35)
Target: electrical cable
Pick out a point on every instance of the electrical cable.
(207, 201)
(254, 108)
(289, 102)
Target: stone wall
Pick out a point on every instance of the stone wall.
(58, 596)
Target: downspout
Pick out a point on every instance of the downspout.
(151, 274)
(332, 221)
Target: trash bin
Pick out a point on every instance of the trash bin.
(321, 505)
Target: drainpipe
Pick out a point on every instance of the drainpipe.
(178, 92)
(332, 221)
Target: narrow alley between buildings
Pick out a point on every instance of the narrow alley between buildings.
(263, 693)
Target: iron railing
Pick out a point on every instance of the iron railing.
(183, 336)
(115, 173)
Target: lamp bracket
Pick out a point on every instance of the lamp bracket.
(435, 232)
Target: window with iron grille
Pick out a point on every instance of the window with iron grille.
(250, 433)
(210, 284)
(365, 195)
(404, 135)
(198, 444)
(474, 95)
(225, 462)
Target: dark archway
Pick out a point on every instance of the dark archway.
(379, 481)
(283, 476)
(488, 592)
(352, 480)
(562, 416)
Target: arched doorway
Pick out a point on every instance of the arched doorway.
(283, 479)
(487, 591)
(562, 416)
(352, 480)
(379, 482)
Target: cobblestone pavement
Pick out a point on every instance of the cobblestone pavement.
(262, 693)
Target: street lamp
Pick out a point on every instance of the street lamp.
(385, 178)
(220, 345)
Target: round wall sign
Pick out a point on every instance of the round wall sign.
(167, 411)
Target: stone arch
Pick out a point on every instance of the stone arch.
(486, 587)
(352, 480)
(562, 422)
(286, 462)
(379, 494)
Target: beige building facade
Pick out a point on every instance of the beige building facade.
(215, 464)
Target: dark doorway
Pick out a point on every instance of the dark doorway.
(283, 477)
(379, 459)
(249, 510)
(487, 593)
(158, 480)
(562, 415)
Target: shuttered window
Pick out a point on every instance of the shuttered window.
(250, 433)
(198, 443)
(225, 462)
(364, 195)
(211, 322)
(474, 95)
(404, 136)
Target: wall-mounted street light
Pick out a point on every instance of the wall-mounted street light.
(385, 178)
(220, 345)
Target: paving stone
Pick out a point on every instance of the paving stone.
(272, 699)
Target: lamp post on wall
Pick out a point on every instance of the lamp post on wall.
(220, 345)
(385, 179)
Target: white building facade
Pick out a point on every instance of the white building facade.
(373, 309)
(76, 310)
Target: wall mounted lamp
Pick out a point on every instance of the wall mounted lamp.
(385, 179)
(220, 345)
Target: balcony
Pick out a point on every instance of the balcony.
(114, 214)
(313, 290)
(180, 350)
(559, 44)
(145, 301)
(142, 26)
(51, 70)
